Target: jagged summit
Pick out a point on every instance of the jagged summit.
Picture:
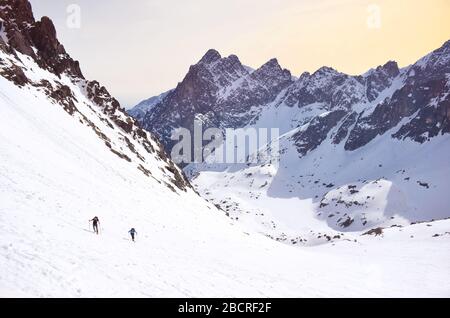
(272, 67)
(18, 12)
(272, 63)
(392, 68)
(325, 70)
(210, 56)
(37, 39)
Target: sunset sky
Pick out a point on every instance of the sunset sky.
(141, 48)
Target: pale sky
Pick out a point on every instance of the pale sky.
(141, 48)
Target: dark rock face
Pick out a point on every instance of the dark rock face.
(18, 12)
(345, 127)
(380, 79)
(24, 33)
(43, 35)
(385, 116)
(317, 131)
(431, 120)
(20, 43)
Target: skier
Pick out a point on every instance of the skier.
(95, 223)
(132, 233)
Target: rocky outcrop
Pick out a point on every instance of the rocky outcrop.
(326, 86)
(379, 79)
(36, 39)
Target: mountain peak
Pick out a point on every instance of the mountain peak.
(211, 56)
(44, 35)
(272, 68)
(444, 49)
(271, 64)
(391, 67)
(325, 70)
(234, 58)
(24, 34)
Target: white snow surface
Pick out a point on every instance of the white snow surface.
(397, 182)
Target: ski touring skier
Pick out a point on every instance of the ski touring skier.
(95, 223)
(132, 233)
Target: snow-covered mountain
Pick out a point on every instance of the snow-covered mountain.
(69, 152)
(221, 90)
(227, 94)
(356, 152)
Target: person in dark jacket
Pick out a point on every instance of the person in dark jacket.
(95, 223)
(132, 233)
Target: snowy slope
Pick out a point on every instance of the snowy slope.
(374, 186)
(55, 175)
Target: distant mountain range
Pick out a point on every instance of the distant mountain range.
(227, 94)
(342, 136)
